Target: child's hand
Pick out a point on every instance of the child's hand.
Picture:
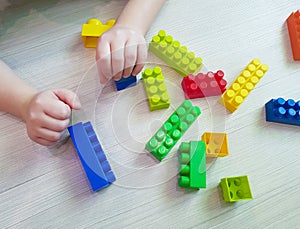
(120, 52)
(47, 115)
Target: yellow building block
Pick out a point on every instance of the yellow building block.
(92, 30)
(234, 96)
(216, 144)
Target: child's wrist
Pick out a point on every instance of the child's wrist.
(25, 105)
(129, 27)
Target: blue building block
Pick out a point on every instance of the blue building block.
(283, 111)
(125, 82)
(91, 155)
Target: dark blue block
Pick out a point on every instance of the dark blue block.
(125, 82)
(283, 111)
(91, 155)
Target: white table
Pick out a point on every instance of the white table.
(47, 187)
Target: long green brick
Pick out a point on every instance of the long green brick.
(174, 55)
(156, 89)
(192, 165)
(172, 130)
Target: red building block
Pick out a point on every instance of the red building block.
(293, 23)
(204, 85)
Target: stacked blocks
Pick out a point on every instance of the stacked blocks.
(91, 155)
(216, 144)
(174, 55)
(233, 97)
(156, 89)
(92, 30)
(236, 189)
(204, 85)
(293, 23)
(172, 130)
(192, 165)
(283, 111)
(125, 82)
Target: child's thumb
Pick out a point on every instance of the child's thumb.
(68, 97)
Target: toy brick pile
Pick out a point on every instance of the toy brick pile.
(195, 84)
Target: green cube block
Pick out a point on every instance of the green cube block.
(172, 130)
(156, 89)
(174, 55)
(236, 189)
(192, 158)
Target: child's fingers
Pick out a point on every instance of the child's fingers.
(68, 97)
(141, 58)
(103, 58)
(44, 142)
(57, 109)
(55, 124)
(130, 58)
(117, 58)
(44, 136)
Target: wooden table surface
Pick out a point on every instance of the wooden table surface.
(47, 187)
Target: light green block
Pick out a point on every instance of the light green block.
(236, 188)
(156, 89)
(174, 55)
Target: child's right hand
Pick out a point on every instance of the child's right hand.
(120, 52)
(47, 115)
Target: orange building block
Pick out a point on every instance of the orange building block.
(293, 23)
(92, 30)
(216, 144)
(238, 91)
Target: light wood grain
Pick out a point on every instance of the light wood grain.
(47, 187)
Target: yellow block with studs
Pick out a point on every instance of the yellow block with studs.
(216, 144)
(92, 30)
(235, 95)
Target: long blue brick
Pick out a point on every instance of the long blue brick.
(283, 111)
(92, 157)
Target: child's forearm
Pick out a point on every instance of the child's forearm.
(15, 94)
(139, 14)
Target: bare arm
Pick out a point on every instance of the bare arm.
(122, 50)
(46, 113)
(139, 14)
(15, 94)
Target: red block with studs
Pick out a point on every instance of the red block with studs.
(293, 23)
(204, 85)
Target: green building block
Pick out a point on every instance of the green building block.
(174, 55)
(236, 188)
(156, 89)
(172, 130)
(192, 158)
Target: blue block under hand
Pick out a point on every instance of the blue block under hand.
(283, 111)
(125, 82)
(91, 155)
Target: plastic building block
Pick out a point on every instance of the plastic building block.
(156, 89)
(236, 189)
(92, 30)
(91, 155)
(174, 55)
(172, 130)
(283, 111)
(204, 85)
(216, 144)
(192, 165)
(125, 82)
(234, 96)
(293, 23)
